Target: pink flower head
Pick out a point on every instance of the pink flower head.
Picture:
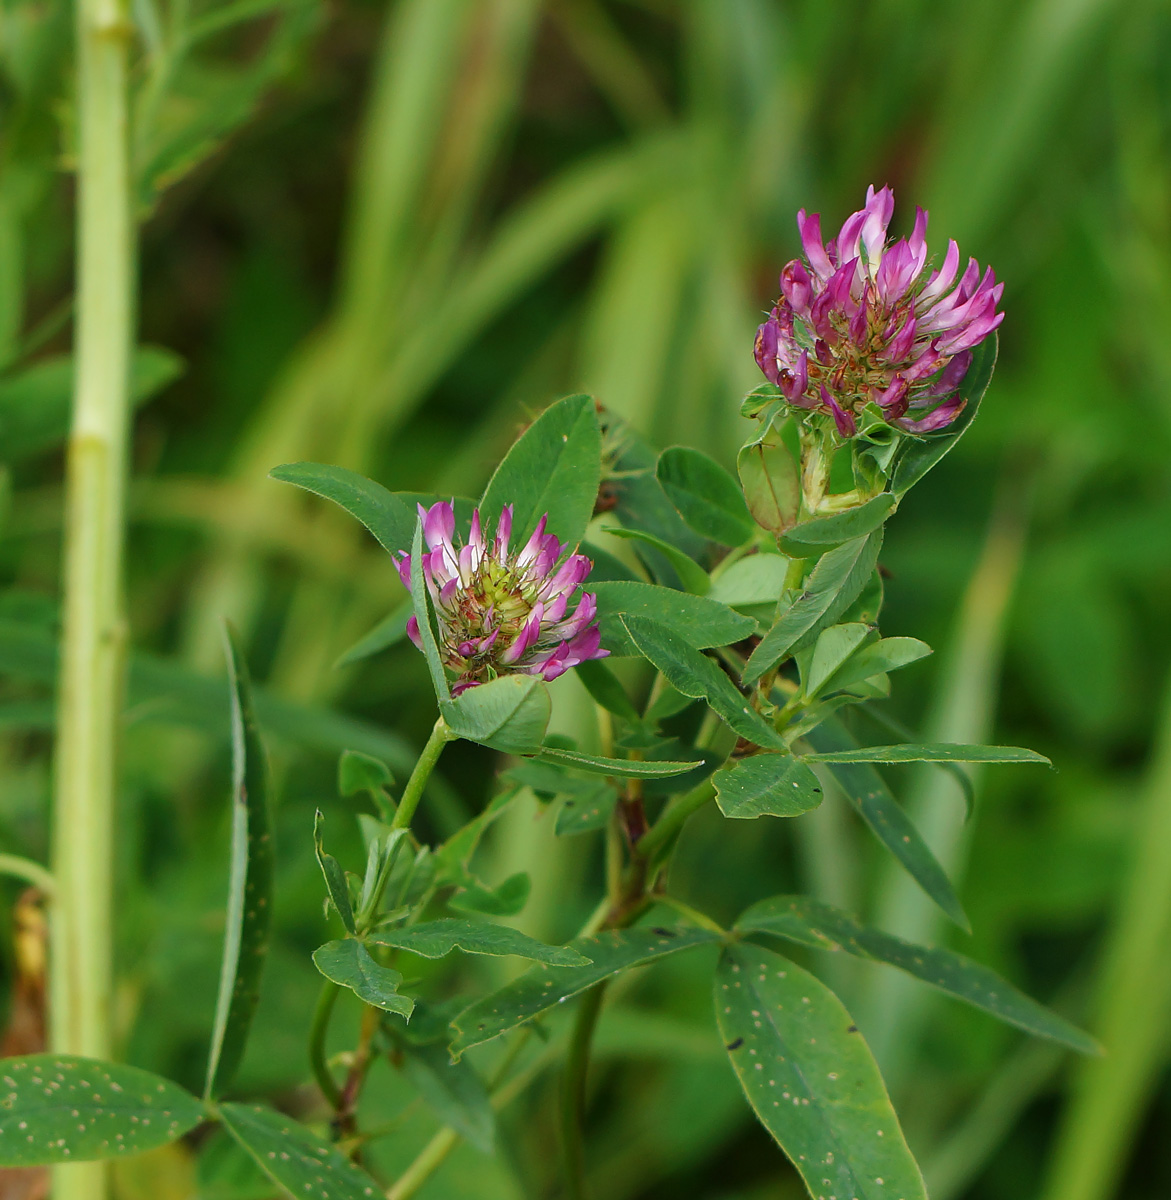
(862, 320)
(502, 611)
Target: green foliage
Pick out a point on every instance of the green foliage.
(250, 884)
(766, 785)
(61, 1108)
(335, 877)
(705, 495)
(347, 962)
(508, 714)
(628, 768)
(811, 1079)
(434, 939)
(294, 1158)
(815, 537)
(702, 621)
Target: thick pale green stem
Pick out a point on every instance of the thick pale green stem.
(573, 1094)
(92, 652)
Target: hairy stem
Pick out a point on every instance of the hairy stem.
(90, 685)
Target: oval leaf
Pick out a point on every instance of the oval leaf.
(59, 1108)
(693, 577)
(809, 922)
(766, 785)
(694, 674)
(699, 620)
(756, 580)
(348, 963)
(541, 988)
(586, 812)
(249, 914)
(295, 1159)
(811, 1079)
(509, 714)
(387, 517)
(887, 654)
(771, 481)
(817, 536)
(705, 495)
(434, 939)
(555, 467)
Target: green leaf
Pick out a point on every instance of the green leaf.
(387, 517)
(504, 900)
(887, 654)
(833, 648)
(766, 785)
(388, 632)
(585, 812)
(931, 752)
(555, 467)
(811, 1079)
(295, 1159)
(816, 536)
(694, 674)
(604, 686)
(36, 405)
(864, 788)
(509, 714)
(920, 455)
(756, 580)
(60, 1108)
(358, 772)
(693, 577)
(809, 922)
(421, 601)
(834, 584)
(701, 621)
(249, 911)
(626, 768)
(771, 481)
(705, 495)
(348, 963)
(335, 877)
(434, 939)
(453, 1092)
(541, 988)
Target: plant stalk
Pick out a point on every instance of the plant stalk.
(90, 683)
(326, 999)
(573, 1093)
(413, 792)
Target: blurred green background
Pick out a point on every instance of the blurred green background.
(384, 236)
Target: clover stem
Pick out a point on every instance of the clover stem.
(573, 1091)
(413, 792)
(321, 1071)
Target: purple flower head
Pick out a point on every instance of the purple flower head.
(502, 611)
(864, 320)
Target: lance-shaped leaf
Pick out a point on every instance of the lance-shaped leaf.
(694, 674)
(452, 1091)
(421, 600)
(626, 768)
(335, 877)
(938, 752)
(693, 577)
(249, 913)
(920, 455)
(606, 689)
(833, 648)
(541, 988)
(834, 584)
(811, 1079)
(504, 900)
(348, 962)
(388, 518)
(887, 654)
(59, 1108)
(815, 537)
(705, 495)
(766, 785)
(699, 620)
(434, 939)
(555, 467)
(864, 788)
(587, 811)
(509, 714)
(294, 1158)
(809, 922)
